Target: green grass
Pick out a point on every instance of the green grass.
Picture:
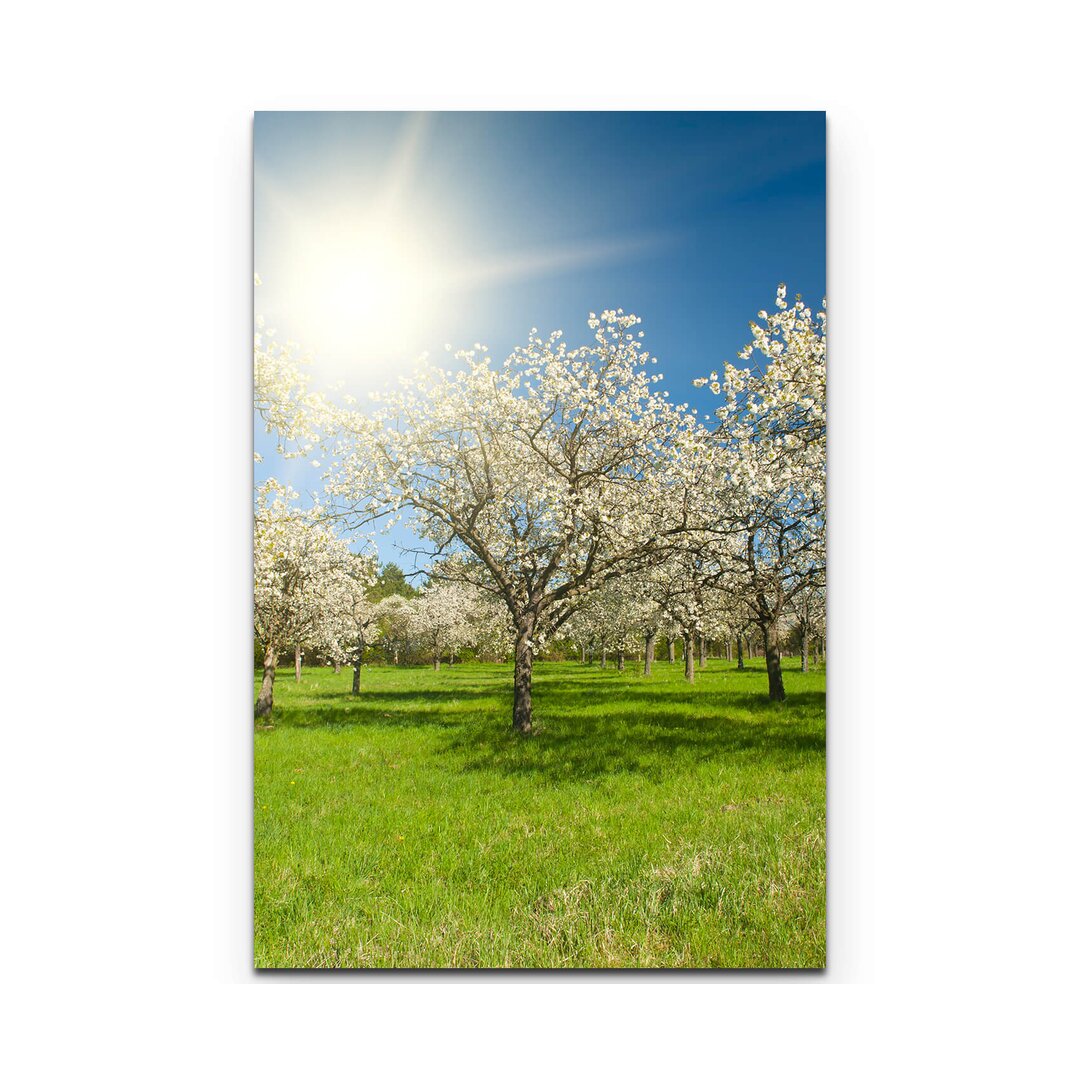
(649, 823)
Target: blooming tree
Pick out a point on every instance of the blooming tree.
(597, 621)
(298, 560)
(678, 588)
(546, 475)
(808, 619)
(490, 630)
(394, 623)
(769, 540)
(439, 619)
(351, 621)
(618, 616)
(283, 397)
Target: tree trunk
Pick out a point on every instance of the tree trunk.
(357, 662)
(337, 667)
(703, 649)
(523, 665)
(771, 634)
(435, 661)
(650, 650)
(266, 692)
(688, 657)
(583, 654)
(729, 650)
(622, 659)
(805, 653)
(749, 646)
(297, 658)
(738, 642)
(671, 650)
(603, 658)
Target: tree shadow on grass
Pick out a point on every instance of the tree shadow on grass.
(799, 703)
(387, 708)
(398, 698)
(651, 729)
(572, 746)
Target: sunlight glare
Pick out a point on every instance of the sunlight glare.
(363, 289)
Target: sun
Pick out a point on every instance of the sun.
(361, 286)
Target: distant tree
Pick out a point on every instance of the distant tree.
(439, 619)
(394, 622)
(391, 581)
(352, 619)
(808, 620)
(298, 560)
(685, 601)
(614, 617)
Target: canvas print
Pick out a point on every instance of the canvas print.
(539, 540)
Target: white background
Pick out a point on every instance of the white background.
(952, 690)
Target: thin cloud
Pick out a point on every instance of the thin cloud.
(401, 169)
(540, 262)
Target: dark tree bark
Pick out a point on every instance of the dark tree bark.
(523, 665)
(650, 650)
(805, 652)
(729, 650)
(671, 650)
(738, 642)
(688, 657)
(265, 701)
(771, 633)
(297, 659)
(703, 650)
(359, 659)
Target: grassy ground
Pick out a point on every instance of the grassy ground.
(649, 823)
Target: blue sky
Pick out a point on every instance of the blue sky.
(491, 223)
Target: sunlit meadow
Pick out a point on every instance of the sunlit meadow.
(648, 823)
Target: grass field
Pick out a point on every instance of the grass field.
(649, 823)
